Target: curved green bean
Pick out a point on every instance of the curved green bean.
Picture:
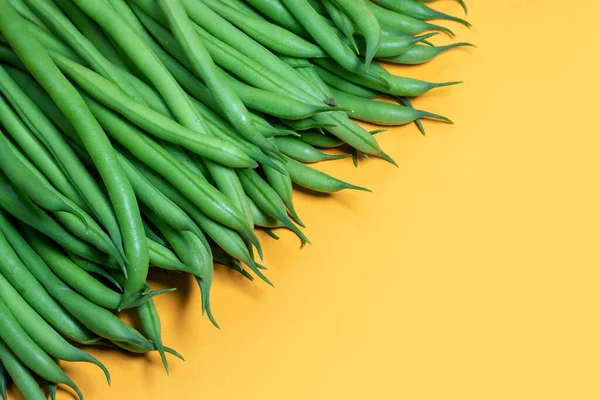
(421, 54)
(277, 12)
(342, 21)
(418, 10)
(316, 180)
(20, 374)
(304, 152)
(403, 23)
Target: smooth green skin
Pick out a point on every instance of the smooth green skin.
(64, 29)
(226, 238)
(306, 124)
(263, 219)
(196, 255)
(318, 139)
(31, 182)
(95, 269)
(67, 98)
(40, 331)
(151, 153)
(29, 352)
(97, 319)
(382, 113)
(163, 258)
(26, 12)
(316, 180)
(92, 32)
(268, 199)
(304, 152)
(16, 270)
(37, 153)
(150, 321)
(259, 67)
(342, 21)
(395, 45)
(271, 36)
(22, 208)
(403, 23)
(49, 41)
(20, 374)
(46, 132)
(152, 121)
(243, 7)
(203, 65)
(282, 184)
(160, 204)
(276, 11)
(323, 34)
(342, 84)
(366, 24)
(399, 86)
(311, 75)
(418, 10)
(421, 54)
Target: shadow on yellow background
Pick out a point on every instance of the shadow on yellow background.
(470, 272)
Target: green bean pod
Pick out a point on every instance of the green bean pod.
(392, 46)
(282, 185)
(304, 152)
(51, 42)
(40, 331)
(17, 257)
(316, 180)
(95, 269)
(150, 321)
(399, 86)
(271, 36)
(367, 25)
(344, 85)
(268, 200)
(403, 23)
(22, 208)
(421, 54)
(3, 377)
(307, 123)
(418, 10)
(382, 113)
(320, 139)
(342, 21)
(20, 374)
(97, 144)
(39, 124)
(27, 14)
(276, 11)
(203, 65)
(163, 258)
(29, 352)
(263, 219)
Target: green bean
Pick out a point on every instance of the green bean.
(154, 122)
(220, 257)
(49, 41)
(3, 383)
(187, 161)
(153, 236)
(324, 34)
(407, 103)
(20, 374)
(99, 320)
(307, 123)
(164, 258)
(277, 12)
(66, 30)
(392, 46)
(319, 139)
(342, 84)
(403, 23)
(21, 207)
(29, 352)
(92, 31)
(243, 7)
(40, 331)
(26, 12)
(15, 269)
(226, 238)
(418, 10)
(96, 143)
(94, 269)
(318, 6)
(268, 200)
(263, 219)
(304, 152)
(47, 133)
(282, 185)
(366, 23)
(271, 36)
(150, 322)
(422, 54)
(382, 113)
(192, 251)
(37, 153)
(342, 21)
(399, 86)
(203, 65)
(316, 180)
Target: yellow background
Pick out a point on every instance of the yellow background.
(470, 272)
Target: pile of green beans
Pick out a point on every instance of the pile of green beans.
(164, 134)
